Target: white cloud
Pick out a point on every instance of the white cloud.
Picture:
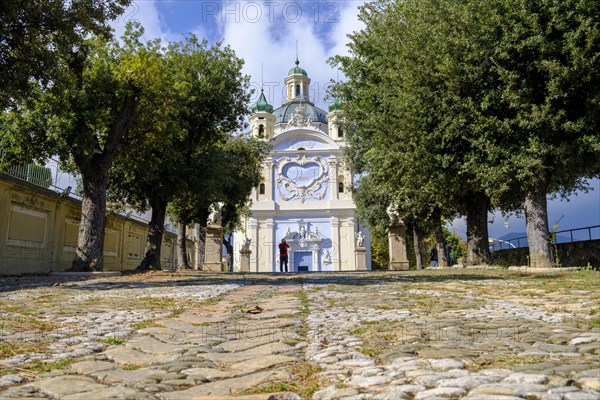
(147, 13)
(265, 33)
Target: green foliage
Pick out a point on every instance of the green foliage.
(80, 117)
(37, 35)
(185, 147)
(380, 257)
(112, 341)
(456, 100)
(458, 248)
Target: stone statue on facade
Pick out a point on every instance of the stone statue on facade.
(302, 232)
(360, 239)
(214, 218)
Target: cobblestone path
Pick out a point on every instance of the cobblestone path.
(417, 335)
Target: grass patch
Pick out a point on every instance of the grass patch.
(42, 367)
(594, 322)
(305, 382)
(212, 301)
(160, 303)
(26, 323)
(10, 349)
(131, 367)
(287, 316)
(112, 341)
(146, 324)
(16, 309)
(358, 331)
(370, 351)
(304, 302)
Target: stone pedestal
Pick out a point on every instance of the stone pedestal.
(245, 260)
(397, 247)
(361, 258)
(214, 249)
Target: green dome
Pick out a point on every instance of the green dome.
(262, 104)
(297, 70)
(336, 105)
(283, 113)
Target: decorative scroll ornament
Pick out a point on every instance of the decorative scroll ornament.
(296, 179)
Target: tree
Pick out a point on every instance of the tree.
(36, 34)
(541, 118)
(240, 160)
(86, 118)
(402, 139)
(500, 96)
(209, 100)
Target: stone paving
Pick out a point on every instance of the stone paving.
(444, 334)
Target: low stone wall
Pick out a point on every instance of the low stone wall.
(38, 233)
(576, 254)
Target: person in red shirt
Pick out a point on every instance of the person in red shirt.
(283, 255)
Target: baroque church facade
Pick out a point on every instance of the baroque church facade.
(304, 195)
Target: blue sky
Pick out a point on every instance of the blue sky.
(264, 34)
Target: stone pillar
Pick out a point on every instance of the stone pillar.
(214, 249)
(269, 184)
(253, 222)
(397, 247)
(269, 264)
(361, 258)
(5, 197)
(333, 178)
(245, 253)
(336, 264)
(351, 244)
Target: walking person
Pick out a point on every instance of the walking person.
(433, 257)
(283, 255)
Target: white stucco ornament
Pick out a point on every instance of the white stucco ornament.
(302, 178)
(298, 119)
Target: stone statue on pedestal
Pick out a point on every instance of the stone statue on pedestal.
(394, 215)
(214, 218)
(246, 245)
(360, 239)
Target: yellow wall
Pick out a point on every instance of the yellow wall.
(38, 233)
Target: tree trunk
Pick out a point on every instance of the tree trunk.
(182, 259)
(439, 238)
(478, 247)
(90, 240)
(155, 236)
(416, 243)
(536, 219)
(94, 172)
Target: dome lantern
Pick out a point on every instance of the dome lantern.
(297, 83)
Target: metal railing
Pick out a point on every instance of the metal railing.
(51, 176)
(565, 236)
